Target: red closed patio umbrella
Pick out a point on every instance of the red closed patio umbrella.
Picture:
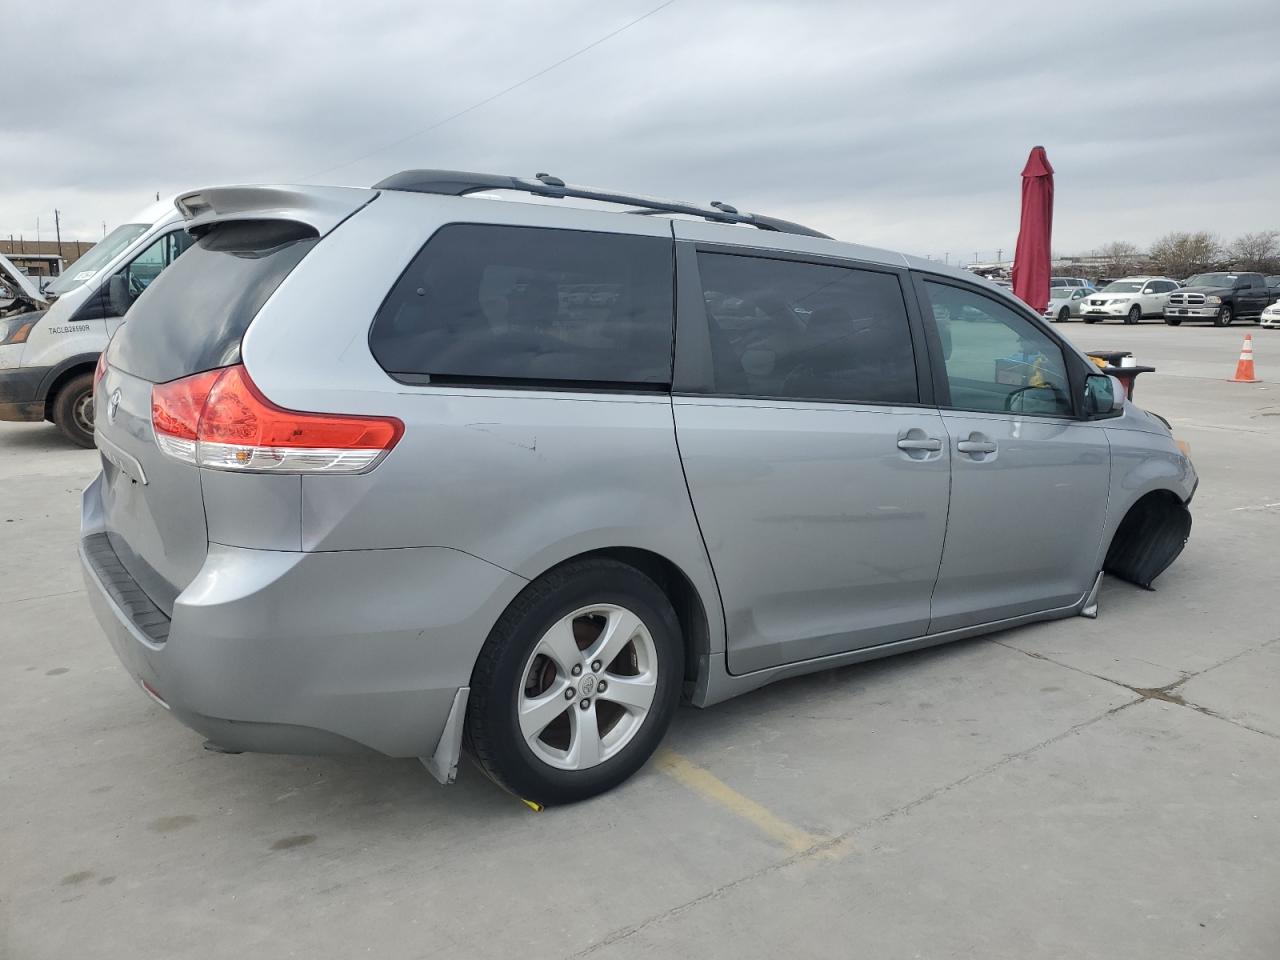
(1031, 257)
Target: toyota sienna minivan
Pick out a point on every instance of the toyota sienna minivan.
(411, 470)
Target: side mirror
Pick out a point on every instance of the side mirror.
(118, 294)
(1104, 396)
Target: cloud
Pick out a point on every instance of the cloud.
(900, 125)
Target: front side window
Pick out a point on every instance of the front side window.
(498, 304)
(130, 281)
(995, 359)
(806, 331)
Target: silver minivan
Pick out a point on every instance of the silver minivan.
(410, 469)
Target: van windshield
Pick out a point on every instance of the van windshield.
(93, 261)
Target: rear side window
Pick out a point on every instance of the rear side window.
(528, 305)
(806, 331)
(193, 315)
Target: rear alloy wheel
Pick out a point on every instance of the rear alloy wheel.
(73, 410)
(1134, 316)
(576, 684)
(1223, 319)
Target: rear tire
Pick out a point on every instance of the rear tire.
(1134, 316)
(580, 614)
(1173, 321)
(73, 410)
(1223, 318)
(1089, 319)
(1064, 314)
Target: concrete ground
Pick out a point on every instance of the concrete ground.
(1102, 788)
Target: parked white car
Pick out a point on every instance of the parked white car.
(1065, 302)
(1271, 316)
(1055, 282)
(1129, 299)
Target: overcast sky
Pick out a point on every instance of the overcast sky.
(900, 123)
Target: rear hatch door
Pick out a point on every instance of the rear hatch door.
(189, 320)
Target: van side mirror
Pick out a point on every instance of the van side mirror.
(118, 294)
(1104, 396)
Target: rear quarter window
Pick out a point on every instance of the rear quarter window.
(192, 317)
(530, 306)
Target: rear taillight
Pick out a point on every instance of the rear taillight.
(220, 419)
(100, 370)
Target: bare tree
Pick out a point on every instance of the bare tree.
(1257, 251)
(1182, 254)
(1122, 258)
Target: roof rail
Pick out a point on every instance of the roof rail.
(458, 183)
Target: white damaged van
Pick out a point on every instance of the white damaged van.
(48, 352)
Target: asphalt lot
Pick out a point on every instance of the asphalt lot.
(1080, 789)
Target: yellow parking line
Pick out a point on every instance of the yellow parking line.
(710, 786)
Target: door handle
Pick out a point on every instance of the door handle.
(976, 446)
(928, 444)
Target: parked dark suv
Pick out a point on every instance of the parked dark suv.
(1220, 297)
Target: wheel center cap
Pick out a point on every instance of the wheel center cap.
(588, 685)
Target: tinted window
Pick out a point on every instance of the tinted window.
(193, 315)
(495, 304)
(805, 331)
(995, 358)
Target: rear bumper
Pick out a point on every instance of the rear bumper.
(280, 652)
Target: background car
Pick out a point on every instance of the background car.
(1271, 317)
(1220, 297)
(1055, 282)
(1064, 302)
(1129, 299)
(1273, 287)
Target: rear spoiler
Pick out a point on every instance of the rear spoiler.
(321, 208)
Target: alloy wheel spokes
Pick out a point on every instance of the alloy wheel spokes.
(585, 748)
(587, 686)
(619, 630)
(633, 693)
(538, 713)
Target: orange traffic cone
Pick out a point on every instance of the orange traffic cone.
(1244, 366)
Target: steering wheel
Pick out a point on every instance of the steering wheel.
(1009, 397)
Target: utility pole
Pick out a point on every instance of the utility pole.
(975, 256)
(57, 225)
(946, 258)
(999, 254)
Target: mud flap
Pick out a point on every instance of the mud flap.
(443, 764)
(1147, 541)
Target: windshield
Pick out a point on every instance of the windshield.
(1212, 280)
(96, 258)
(1123, 286)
